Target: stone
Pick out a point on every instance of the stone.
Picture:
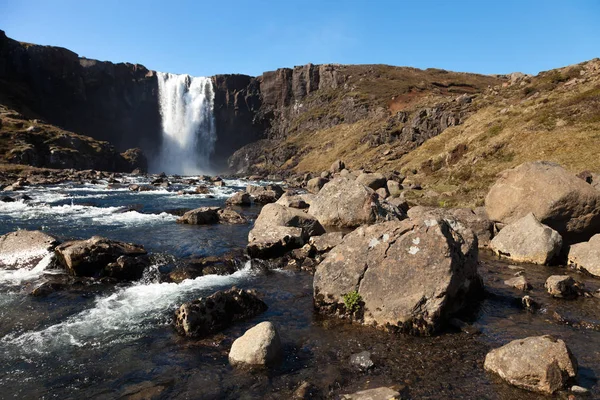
(239, 199)
(258, 346)
(394, 188)
(337, 166)
(528, 241)
(293, 201)
(372, 180)
(562, 286)
(540, 363)
(586, 255)
(315, 184)
(382, 192)
(326, 242)
(530, 304)
(556, 197)
(519, 283)
(24, 249)
(279, 229)
(362, 360)
(229, 216)
(579, 390)
(212, 314)
(346, 203)
(99, 256)
(475, 219)
(431, 262)
(200, 216)
(380, 393)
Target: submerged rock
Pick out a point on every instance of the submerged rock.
(99, 256)
(541, 364)
(586, 255)
(208, 315)
(527, 240)
(347, 204)
(23, 249)
(431, 262)
(258, 346)
(279, 229)
(556, 197)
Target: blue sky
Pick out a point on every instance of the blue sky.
(210, 37)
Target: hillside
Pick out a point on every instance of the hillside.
(450, 132)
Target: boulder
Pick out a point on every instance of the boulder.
(239, 199)
(394, 188)
(476, 219)
(326, 242)
(200, 216)
(229, 216)
(556, 197)
(431, 262)
(380, 393)
(99, 256)
(315, 184)
(24, 249)
(382, 192)
(347, 204)
(337, 166)
(208, 315)
(293, 201)
(562, 286)
(279, 229)
(519, 283)
(541, 363)
(586, 255)
(372, 180)
(527, 240)
(258, 346)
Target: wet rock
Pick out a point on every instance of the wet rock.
(530, 304)
(212, 265)
(381, 393)
(348, 204)
(6, 199)
(219, 183)
(527, 240)
(208, 315)
(372, 180)
(326, 242)
(239, 199)
(519, 283)
(24, 249)
(362, 360)
(200, 216)
(541, 364)
(99, 256)
(229, 216)
(315, 184)
(258, 346)
(562, 286)
(337, 166)
(279, 229)
(586, 255)
(476, 219)
(556, 197)
(431, 262)
(202, 190)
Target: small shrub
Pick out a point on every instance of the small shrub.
(352, 301)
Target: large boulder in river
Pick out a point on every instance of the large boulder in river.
(586, 255)
(409, 275)
(258, 346)
(99, 256)
(477, 219)
(24, 249)
(347, 204)
(239, 199)
(527, 240)
(208, 315)
(557, 198)
(279, 229)
(541, 363)
(200, 216)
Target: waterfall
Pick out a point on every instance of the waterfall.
(186, 108)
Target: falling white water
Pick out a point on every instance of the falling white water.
(186, 107)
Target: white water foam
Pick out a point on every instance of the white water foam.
(121, 316)
(186, 108)
(17, 276)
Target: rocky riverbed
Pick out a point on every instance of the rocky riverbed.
(104, 334)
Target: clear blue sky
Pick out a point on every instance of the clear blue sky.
(234, 36)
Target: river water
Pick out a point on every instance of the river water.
(104, 341)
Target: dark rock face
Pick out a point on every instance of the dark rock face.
(113, 102)
(216, 312)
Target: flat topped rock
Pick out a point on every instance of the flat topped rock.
(24, 248)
